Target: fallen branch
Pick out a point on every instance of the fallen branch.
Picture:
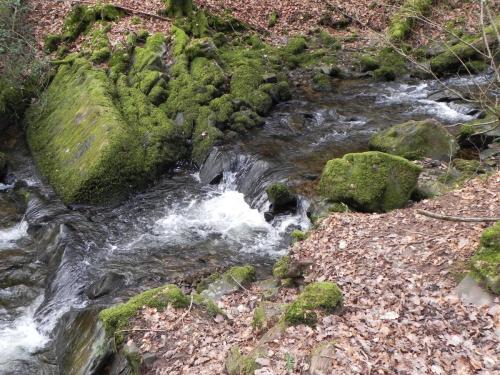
(458, 218)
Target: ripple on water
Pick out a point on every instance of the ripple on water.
(9, 236)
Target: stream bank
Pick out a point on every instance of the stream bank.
(64, 264)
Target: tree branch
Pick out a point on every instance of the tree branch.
(458, 218)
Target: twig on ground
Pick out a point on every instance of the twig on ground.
(458, 218)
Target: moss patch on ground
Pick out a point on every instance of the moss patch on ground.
(117, 317)
(319, 295)
(485, 264)
(369, 181)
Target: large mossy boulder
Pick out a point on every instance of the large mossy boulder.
(465, 55)
(485, 264)
(95, 141)
(369, 181)
(416, 140)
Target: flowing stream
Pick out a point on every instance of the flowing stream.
(54, 259)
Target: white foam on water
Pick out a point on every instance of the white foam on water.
(9, 236)
(20, 338)
(225, 215)
(416, 96)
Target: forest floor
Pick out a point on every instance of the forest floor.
(401, 314)
(365, 20)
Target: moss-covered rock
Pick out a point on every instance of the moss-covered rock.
(416, 140)
(402, 22)
(179, 8)
(369, 181)
(452, 60)
(319, 295)
(11, 103)
(239, 364)
(90, 149)
(266, 315)
(467, 166)
(298, 235)
(242, 275)
(281, 196)
(368, 63)
(485, 264)
(117, 317)
(230, 281)
(208, 305)
(281, 267)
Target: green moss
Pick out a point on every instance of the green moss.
(205, 135)
(81, 17)
(368, 63)
(452, 60)
(369, 181)
(118, 62)
(319, 295)
(11, 101)
(416, 140)
(402, 22)
(223, 108)
(118, 146)
(205, 282)
(338, 207)
(179, 8)
(469, 167)
(259, 318)
(206, 303)
(298, 235)
(476, 66)
(280, 195)
(52, 42)
(149, 56)
(240, 274)
(321, 82)
(203, 47)
(296, 45)
(117, 317)
(281, 267)
(327, 40)
(385, 73)
(239, 364)
(272, 20)
(485, 264)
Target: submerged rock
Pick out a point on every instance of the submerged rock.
(369, 181)
(416, 140)
(486, 262)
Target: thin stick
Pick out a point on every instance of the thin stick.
(458, 218)
(237, 282)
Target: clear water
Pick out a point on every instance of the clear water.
(180, 226)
